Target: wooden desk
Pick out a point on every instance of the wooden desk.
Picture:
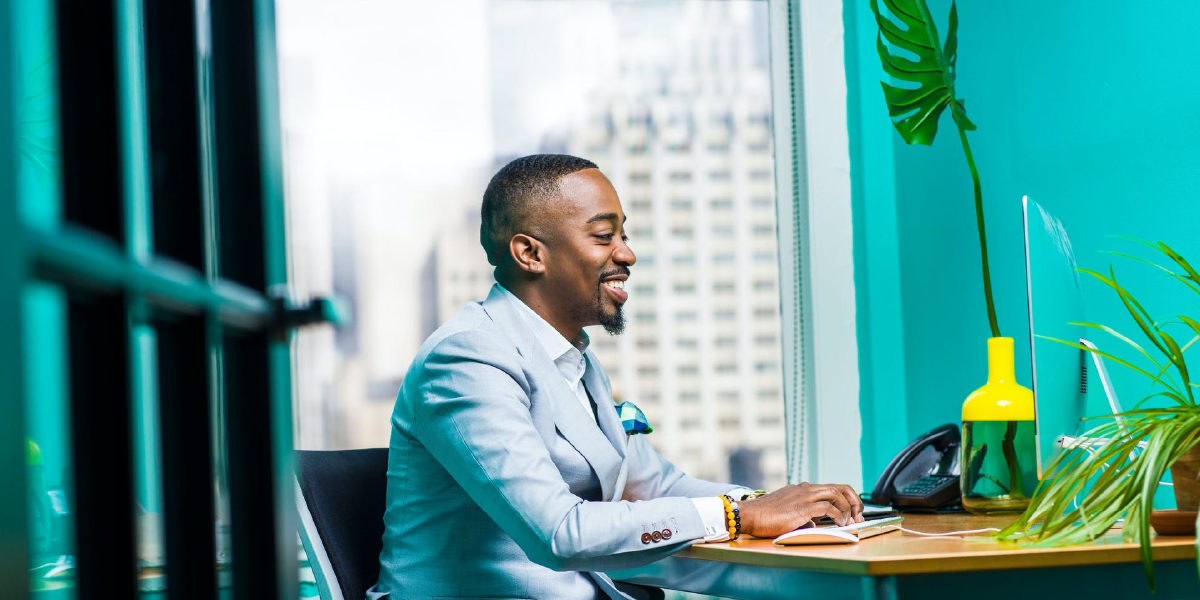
(902, 565)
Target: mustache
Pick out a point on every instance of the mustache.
(617, 271)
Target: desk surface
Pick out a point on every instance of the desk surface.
(902, 553)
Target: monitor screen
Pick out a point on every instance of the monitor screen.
(1055, 301)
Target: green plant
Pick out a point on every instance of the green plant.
(1091, 487)
(915, 109)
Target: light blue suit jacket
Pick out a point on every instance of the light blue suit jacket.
(492, 460)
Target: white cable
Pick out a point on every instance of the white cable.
(985, 530)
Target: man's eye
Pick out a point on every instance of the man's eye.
(605, 236)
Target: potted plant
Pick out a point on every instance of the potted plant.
(1115, 470)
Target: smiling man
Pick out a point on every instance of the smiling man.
(510, 474)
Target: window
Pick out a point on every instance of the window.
(685, 316)
(455, 103)
(641, 205)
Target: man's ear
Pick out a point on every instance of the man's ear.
(528, 253)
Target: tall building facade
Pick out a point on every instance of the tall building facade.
(687, 141)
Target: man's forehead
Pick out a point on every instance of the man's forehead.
(588, 196)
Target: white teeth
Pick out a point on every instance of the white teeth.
(616, 285)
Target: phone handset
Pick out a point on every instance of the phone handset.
(924, 474)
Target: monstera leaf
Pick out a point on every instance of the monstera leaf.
(915, 110)
(927, 90)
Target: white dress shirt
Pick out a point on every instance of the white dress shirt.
(571, 363)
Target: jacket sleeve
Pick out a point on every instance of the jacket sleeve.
(652, 476)
(470, 409)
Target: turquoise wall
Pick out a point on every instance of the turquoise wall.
(1093, 110)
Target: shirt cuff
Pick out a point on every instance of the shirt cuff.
(712, 515)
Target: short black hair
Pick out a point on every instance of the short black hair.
(517, 191)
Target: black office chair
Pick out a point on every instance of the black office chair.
(341, 498)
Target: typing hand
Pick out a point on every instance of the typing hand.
(794, 506)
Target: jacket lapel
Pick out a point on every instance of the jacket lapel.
(609, 420)
(571, 419)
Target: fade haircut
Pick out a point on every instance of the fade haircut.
(517, 193)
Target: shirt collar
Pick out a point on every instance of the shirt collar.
(550, 339)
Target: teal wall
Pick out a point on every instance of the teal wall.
(1093, 110)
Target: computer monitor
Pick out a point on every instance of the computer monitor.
(1055, 301)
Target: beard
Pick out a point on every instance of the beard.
(613, 324)
(594, 312)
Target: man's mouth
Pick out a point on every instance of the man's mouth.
(615, 286)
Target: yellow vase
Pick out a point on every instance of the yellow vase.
(999, 462)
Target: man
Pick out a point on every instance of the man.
(509, 472)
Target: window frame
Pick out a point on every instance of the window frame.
(822, 419)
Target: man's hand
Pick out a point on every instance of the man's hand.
(793, 506)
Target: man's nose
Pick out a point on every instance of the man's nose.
(624, 255)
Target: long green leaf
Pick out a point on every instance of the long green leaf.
(1180, 364)
(1188, 282)
(1135, 309)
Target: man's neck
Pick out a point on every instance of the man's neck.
(573, 333)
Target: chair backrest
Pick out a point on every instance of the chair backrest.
(341, 498)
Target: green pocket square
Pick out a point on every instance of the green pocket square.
(633, 419)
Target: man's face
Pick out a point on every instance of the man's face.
(590, 260)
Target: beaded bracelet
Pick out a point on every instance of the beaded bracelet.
(733, 517)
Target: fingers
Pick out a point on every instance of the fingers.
(824, 508)
(842, 497)
(856, 503)
(834, 494)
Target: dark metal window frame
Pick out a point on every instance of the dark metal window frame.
(200, 270)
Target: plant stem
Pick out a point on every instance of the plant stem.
(1016, 486)
(987, 278)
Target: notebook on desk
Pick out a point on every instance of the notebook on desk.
(847, 534)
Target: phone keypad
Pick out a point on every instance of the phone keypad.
(927, 484)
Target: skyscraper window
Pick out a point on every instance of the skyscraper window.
(380, 128)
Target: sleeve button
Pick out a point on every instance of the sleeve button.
(646, 538)
(666, 534)
(656, 536)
